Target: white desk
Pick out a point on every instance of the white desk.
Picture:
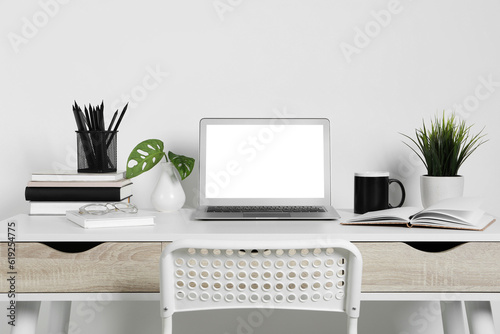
(179, 225)
(449, 276)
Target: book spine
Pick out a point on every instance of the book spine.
(73, 194)
(75, 184)
(79, 177)
(59, 208)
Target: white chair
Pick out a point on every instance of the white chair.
(289, 274)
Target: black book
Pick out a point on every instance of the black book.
(105, 194)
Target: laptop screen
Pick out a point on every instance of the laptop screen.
(259, 161)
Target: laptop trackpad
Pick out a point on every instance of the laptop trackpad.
(265, 214)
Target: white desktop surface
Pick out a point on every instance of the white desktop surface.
(179, 225)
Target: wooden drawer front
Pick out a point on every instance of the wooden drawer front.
(108, 267)
(397, 267)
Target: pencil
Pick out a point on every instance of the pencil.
(113, 120)
(117, 125)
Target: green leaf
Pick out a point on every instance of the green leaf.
(144, 157)
(183, 164)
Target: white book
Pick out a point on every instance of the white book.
(80, 184)
(73, 175)
(57, 208)
(111, 219)
(455, 213)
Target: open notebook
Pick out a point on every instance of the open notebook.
(456, 213)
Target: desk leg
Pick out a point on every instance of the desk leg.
(59, 317)
(453, 317)
(26, 317)
(480, 317)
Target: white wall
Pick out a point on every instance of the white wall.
(178, 61)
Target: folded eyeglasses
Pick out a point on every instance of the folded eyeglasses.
(102, 209)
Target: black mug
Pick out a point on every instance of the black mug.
(371, 191)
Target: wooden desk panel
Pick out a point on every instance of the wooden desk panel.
(134, 267)
(109, 267)
(397, 267)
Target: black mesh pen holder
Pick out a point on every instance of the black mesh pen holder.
(96, 151)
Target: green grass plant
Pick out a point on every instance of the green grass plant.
(445, 145)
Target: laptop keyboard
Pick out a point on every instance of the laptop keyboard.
(266, 209)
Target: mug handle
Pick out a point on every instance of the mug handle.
(403, 193)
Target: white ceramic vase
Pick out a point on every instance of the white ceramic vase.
(168, 194)
(437, 188)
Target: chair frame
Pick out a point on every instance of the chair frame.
(173, 298)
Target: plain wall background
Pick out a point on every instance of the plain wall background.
(374, 68)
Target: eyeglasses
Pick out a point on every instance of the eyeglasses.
(102, 209)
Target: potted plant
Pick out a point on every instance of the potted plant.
(443, 148)
(168, 194)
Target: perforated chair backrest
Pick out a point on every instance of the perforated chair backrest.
(227, 274)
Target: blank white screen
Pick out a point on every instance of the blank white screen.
(264, 161)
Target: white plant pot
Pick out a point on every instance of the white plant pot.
(168, 194)
(437, 188)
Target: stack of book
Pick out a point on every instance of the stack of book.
(54, 193)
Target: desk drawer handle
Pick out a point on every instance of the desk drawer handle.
(434, 247)
(72, 247)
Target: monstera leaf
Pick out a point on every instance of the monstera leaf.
(144, 157)
(150, 152)
(183, 164)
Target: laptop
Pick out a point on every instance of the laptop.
(273, 168)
